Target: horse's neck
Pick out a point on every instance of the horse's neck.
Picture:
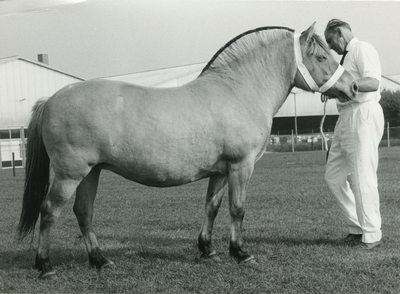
(265, 80)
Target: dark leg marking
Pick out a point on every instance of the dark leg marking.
(44, 266)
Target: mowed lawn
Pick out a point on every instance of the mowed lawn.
(292, 226)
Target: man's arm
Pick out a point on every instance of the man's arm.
(368, 84)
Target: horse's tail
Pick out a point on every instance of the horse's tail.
(37, 173)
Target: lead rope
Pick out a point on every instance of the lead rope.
(324, 99)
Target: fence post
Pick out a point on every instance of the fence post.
(13, 164)
(23, 145)
(292, 142)
(388, 134)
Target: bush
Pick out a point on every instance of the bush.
(393, 142)
(390, 102)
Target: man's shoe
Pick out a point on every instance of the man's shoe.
(353, 239)
(370, 246)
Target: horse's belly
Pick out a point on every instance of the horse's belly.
(169, 165)
(158, 175)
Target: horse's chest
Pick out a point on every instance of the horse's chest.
(244, 144)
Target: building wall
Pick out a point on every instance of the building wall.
(22, 83)
(395, 78)
(162, 78)
(178, 81)
(390, 84)
(306, 104)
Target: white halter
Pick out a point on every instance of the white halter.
(306, 74)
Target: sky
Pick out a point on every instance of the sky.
(102, 38)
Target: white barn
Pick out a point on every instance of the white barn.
(22, 83)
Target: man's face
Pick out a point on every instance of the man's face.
(335, 41)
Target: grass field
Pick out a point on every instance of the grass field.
(292, 227)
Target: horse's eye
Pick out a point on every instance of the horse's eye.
(321, 58)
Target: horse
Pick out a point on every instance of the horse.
(216, 126)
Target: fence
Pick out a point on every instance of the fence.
(315, 141)
(303, 142)
(391, 136)
(12, 147)
(13, 143)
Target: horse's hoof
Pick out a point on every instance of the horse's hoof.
(243, 257)
(210, 257)
(107, 264)
(101, 263)
(50, 275)
(251, 263)
(246, 258)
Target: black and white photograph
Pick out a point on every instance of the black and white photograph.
(199, 146)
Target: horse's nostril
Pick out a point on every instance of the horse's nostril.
(354, 87)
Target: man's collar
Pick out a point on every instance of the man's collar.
(351, 43)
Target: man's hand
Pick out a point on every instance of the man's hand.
(326, 97)
(343, 100)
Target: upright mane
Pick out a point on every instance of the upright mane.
(252, 39)
(244, 43)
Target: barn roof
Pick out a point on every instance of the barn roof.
(393, 78)
(16, 57)
(154, 78)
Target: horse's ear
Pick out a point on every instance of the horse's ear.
(307, 34)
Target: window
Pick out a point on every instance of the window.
(4, 134)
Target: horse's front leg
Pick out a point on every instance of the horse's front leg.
(214, 197)
(238, 179)
(83, 208)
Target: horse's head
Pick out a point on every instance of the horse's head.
(317, 69)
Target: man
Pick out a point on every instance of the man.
(351, 170)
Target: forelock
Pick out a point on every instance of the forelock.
(318, 46)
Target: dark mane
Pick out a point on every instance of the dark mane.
(234, 40)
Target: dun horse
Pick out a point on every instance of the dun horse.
(215, 127)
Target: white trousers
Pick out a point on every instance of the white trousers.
(351, 170)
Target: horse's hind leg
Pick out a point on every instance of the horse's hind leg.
(60, 192)
(213, 202)
(83, 209)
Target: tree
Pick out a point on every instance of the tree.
(390, 102)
